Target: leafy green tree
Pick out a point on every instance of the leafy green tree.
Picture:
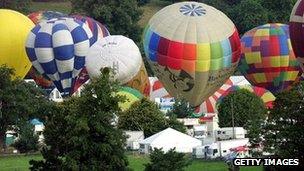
(18, 101)
(171, 160)
(254, 16)
(142, 2)
(246, 110)
(22, 6)
(181, 109)
(254, 12)
(278, 10)
(143, 115)
(120, 16)
(283, 131)
(28, 140)
(81, 136)
(243, 105)
(172, 122)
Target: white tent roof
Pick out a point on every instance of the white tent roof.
(239, 80)
(170, 138)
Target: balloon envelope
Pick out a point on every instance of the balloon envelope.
(57, 49)
(14, 28)
(157, 90)
(267, 58)
(141, 81)
(209, 105)
(117, 52)
(297, 31)
(131, 95)
(193, 49)
(37, 17)
(99, 31)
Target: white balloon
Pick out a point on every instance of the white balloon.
(117, 52)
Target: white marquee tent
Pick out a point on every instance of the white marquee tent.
(167, 139)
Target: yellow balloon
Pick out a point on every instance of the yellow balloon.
(14, 28)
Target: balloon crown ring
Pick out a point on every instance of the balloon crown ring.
(192, 10)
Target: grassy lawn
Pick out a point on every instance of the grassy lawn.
(150, 9)
(64, 7)
(17, 163)
(136, 162)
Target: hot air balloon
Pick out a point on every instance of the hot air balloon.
(297, 31)
(157, 89)
(99, 31)
(267, 58)
(193, 49)
(41, 16)
(117, 52)
(14, 28)
(209, 105)
(141, 81)
(37, 17)
(131, 95)
(267, 97)
(57, 49)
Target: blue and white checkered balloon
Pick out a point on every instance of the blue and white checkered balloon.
(57, 49)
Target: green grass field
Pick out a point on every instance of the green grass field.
(64, 7)
(136, 162)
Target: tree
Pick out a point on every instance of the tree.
(142, 2)
(143, 115)
(278, 10)
(28, 140)
(172, 160)
(246, 110)
(243, 105)
(81, 135)
(18, 101)
(283, 131)
(254, 16)
(120, 16)
(83, 130)
(181, 109)
(254, 12)
(22, 6)
(172, 122)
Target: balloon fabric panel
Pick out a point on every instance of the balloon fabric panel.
(267, 57)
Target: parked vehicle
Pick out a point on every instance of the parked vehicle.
(200, 131)
(218, 149)
(227, 133)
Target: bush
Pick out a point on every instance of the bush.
(172, 160)
(28, 140)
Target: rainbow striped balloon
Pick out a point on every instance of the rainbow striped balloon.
(209, 105)
(193, 49)
(267, 58)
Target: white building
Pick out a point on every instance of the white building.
(134, 137)
(168, 139)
